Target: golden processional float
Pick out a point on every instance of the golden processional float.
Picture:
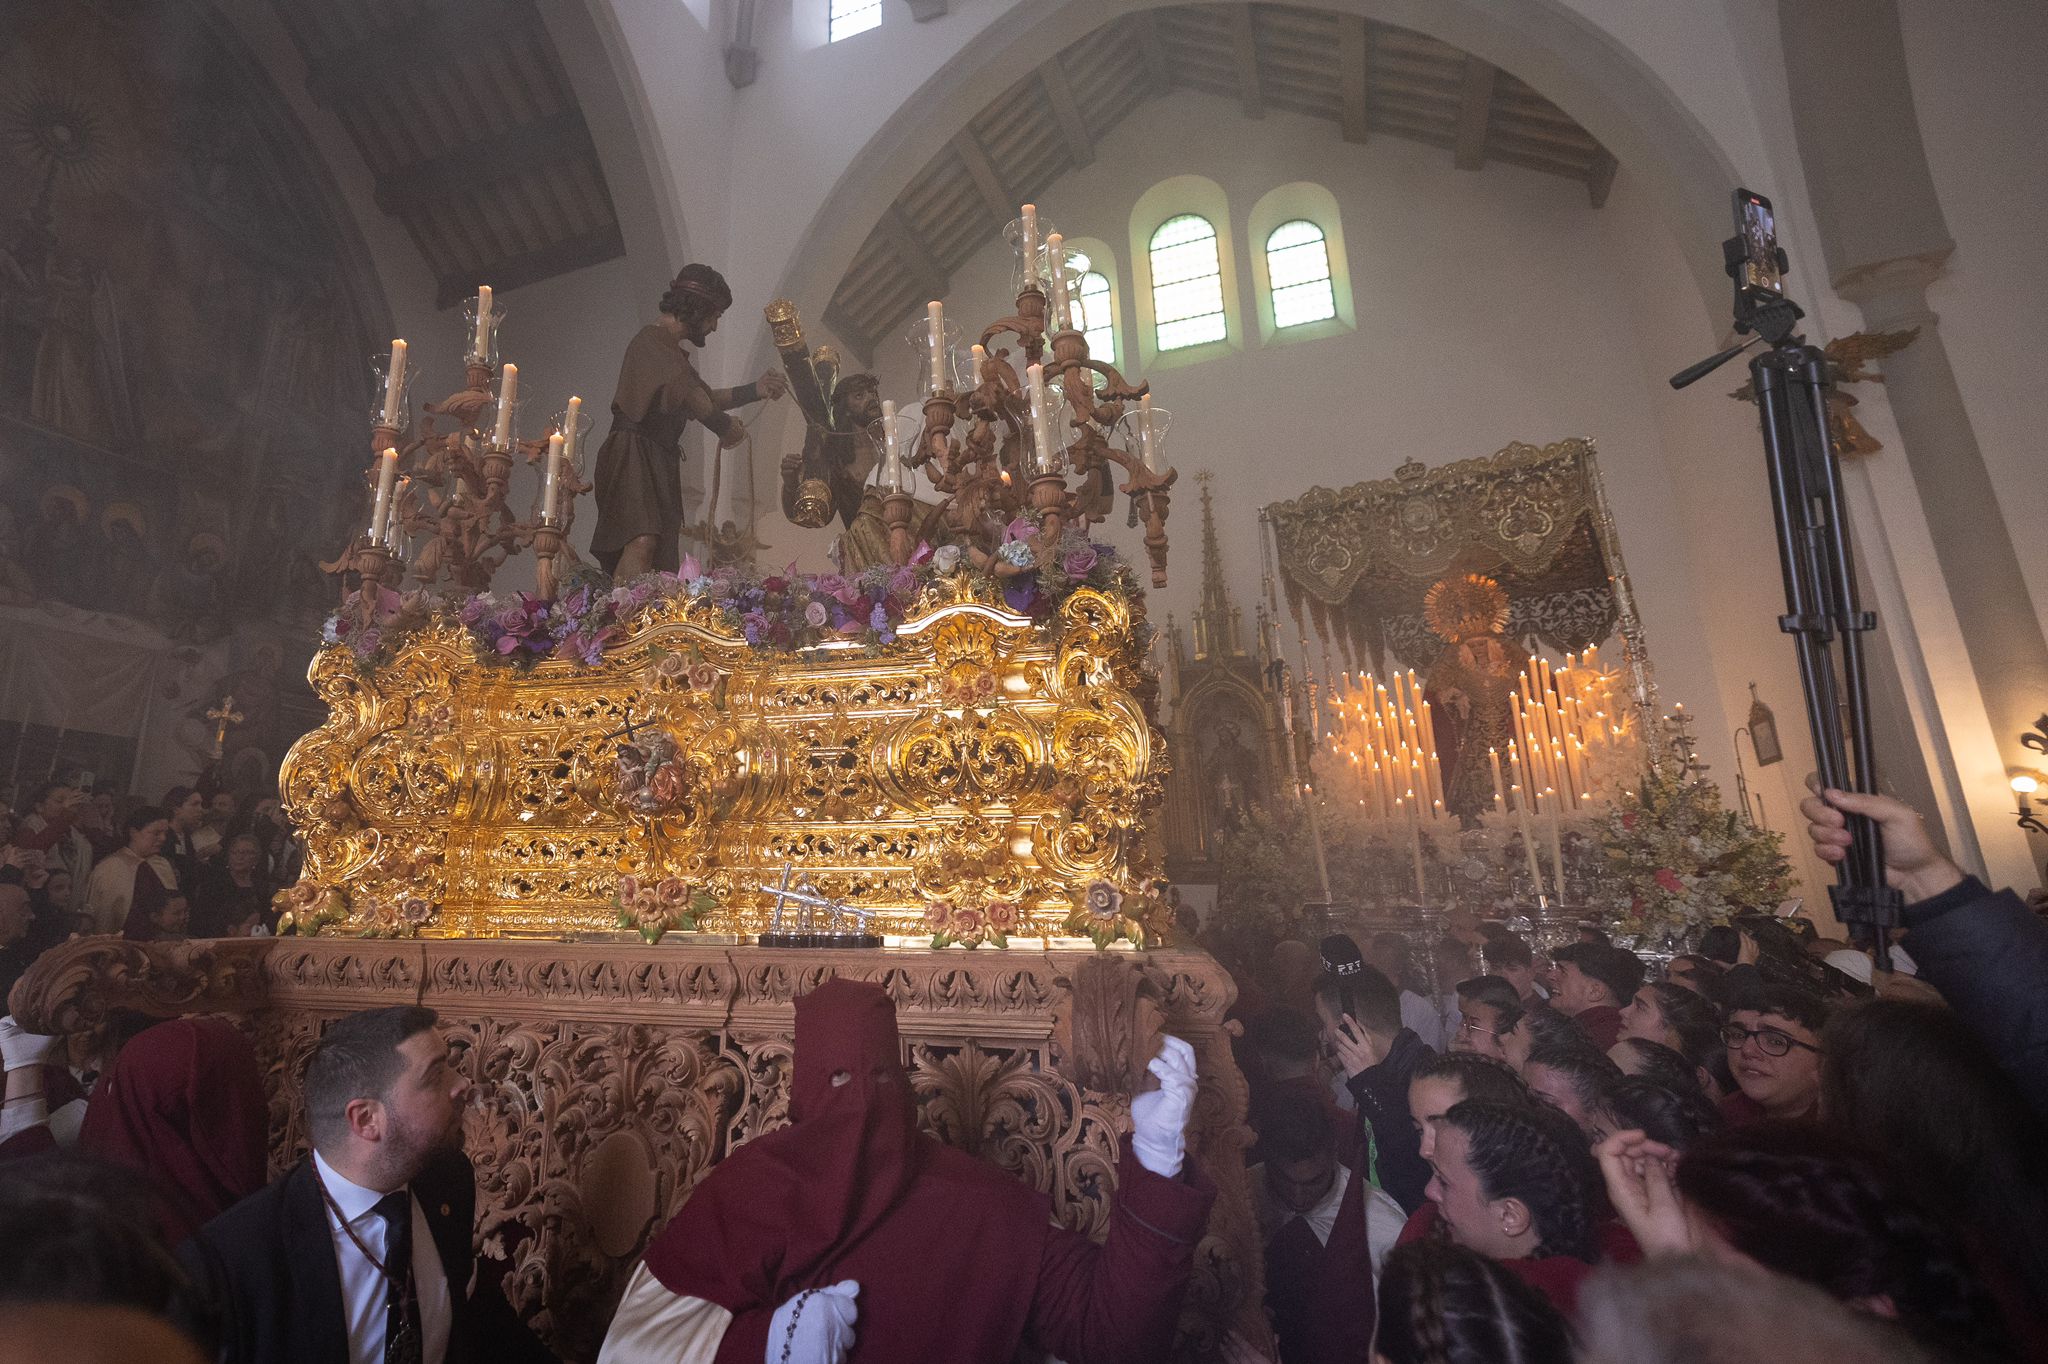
(948, 742)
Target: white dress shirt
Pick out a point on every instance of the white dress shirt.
(1421, 1017)
(365, 1295)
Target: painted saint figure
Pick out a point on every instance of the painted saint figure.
(639, 473)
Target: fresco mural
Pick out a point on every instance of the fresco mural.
(184, 327)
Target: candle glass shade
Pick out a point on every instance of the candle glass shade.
(487, 422)
(585, 419)
(955, 359)
(489, 358)
(1073, 266)
(1131, 427)
(380, 368)
(909, 427)
(1028, 274)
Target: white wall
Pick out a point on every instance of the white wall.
(1976, 71)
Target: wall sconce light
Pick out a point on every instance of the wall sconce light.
(2024, 784)
(1763, 731)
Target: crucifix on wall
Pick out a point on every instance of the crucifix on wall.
(223, 715)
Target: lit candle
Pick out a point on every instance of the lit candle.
(571, 419)
(1145, 439)
(483, 322)
(393, 518)
(1030, 216)
(387, 478)
(508, 394)
(1056, 272)
(551, 492)
(1415, 846)
(979, 356)
(394, 384)
(935, 324)
(892, 458)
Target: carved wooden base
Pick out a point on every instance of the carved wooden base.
(610, 1077)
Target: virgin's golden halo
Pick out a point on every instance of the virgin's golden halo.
(1459, 608)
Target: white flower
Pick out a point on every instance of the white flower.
(946, 558)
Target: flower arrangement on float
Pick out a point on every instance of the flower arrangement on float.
(784, 610)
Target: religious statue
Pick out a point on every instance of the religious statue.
(639, 478)
(1469, 685)
(829, 478)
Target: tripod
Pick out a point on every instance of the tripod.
(1821, 610)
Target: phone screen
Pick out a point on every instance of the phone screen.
(1758, 229)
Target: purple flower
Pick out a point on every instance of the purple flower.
(578, 603)
(512, 620)
(815, 615)
(366, 643)
(1020, 529)
(1020, 592)
(878, 619)
(1079, 562)
(829, 584)
(473, 611)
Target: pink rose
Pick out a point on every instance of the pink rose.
(1079, 562)
(1003, 915)
(672, 891)
(1667, 880)
(815, 615)
(703, 676)
(629, 888)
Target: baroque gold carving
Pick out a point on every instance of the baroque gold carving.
(449, 796)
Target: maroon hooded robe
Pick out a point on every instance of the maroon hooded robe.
(957, 1262)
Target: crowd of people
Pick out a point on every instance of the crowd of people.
(1478, 1150)
(80, 861)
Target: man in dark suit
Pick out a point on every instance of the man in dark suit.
(363, 1253)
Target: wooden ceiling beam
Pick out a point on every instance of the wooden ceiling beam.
(1600, 178)
(1152, 49)
(850, 333)
(1244, 51)
(1474, 108)
(557, 258)
(513, 151)
(1354, 50)
(1059, 92)
(437, 32)
(913, 255)
(982, 172)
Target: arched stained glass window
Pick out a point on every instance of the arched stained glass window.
(853, 16)
(1097, 316)
(1187, 283)
(1298, 268)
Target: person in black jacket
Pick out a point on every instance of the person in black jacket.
(1986, 952)
(1361, 1014)
(363, 1253)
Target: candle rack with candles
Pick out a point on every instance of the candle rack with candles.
(441, 513)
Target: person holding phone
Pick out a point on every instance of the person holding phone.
(1360, 1011)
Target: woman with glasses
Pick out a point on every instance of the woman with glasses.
(1775, 1053)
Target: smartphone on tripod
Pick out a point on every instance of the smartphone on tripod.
(1763, 263)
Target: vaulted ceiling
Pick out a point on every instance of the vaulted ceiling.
(1368, 78)
(466, 118)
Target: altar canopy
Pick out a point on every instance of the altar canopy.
(1356, 563)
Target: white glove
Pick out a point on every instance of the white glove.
(815, 1326)
(1159, 1117)
(19, 1047)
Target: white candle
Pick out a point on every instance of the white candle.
(1030, 244)
(1145, 444)
(551, 491)
(387, 478)
(483, 322)
(979, 355)
(572, 419)
(1041, 427)
(1056, 271)
(892, 457)
(394, 384)
(391, 518)
(935, 322)
(508, 394)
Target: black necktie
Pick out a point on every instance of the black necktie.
(402, 1314)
